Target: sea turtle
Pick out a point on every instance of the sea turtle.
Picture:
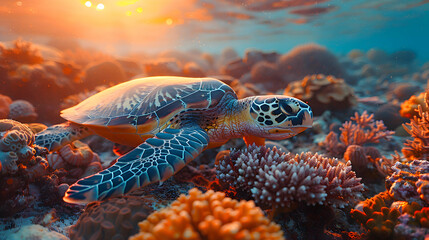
(169, 121)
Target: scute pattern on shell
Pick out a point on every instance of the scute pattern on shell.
(141, 101)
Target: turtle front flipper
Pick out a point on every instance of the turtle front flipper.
(56, 136)
(155, 160)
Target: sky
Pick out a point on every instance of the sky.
(127, 26)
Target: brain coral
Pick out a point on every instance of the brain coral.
(22, 111)
(323, 93)
(15, 144)
(115, 218)
(210, 216)
(277, 179)
(306, 60)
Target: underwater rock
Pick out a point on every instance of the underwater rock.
(267, 74)
(115, 218)
(308, 59)
(236, 68)
(403, 56)
(227, 55)
(33, 231)
(22, 111)
(130, 67)
(389, 114)
(275, 179)
(163, 67)
(323, 93)
(103, 73)
(402, 91)
(208, 215)
(355, 54)
(191, 69)
(252, 57)
(377, 56)
(5, 101)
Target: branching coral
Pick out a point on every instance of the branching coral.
(413, 226)
(115, 218)
(418, 128)
(323, 93)
(210, 216)
(276, 179)
(362, 129)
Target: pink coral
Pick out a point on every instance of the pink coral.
(362, 129)
(278, 179)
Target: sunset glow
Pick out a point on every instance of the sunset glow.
(100, 6)
(88, 3)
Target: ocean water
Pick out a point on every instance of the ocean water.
(352, 153)
(123, 27)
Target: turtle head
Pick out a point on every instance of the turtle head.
(280, 117)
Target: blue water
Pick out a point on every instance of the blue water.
(212, 25)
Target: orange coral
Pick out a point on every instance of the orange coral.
(21, 53)
(422, 217)
(377, 216)
(409, 108)
(210, 216)
(418, 128)
(323, 93)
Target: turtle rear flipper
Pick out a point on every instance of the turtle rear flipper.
(155, 160)
(56, 136)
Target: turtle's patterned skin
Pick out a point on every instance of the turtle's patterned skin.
(170, 120)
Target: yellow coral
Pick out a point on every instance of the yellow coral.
(210, 216)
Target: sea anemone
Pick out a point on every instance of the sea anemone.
(276, 179)
(209, 216)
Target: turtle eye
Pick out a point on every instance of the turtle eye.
(288, 108)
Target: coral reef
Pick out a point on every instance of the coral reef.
(77, 158)
(361, 130)
(308, 59)
(323, 93)
(376, 215)
(409, 108)
(409, 182)
(418, 128)
(22, 52)
(208, 216)
(278, 180)
(103, 73)
(115, 218)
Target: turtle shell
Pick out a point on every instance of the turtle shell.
(133, 111)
